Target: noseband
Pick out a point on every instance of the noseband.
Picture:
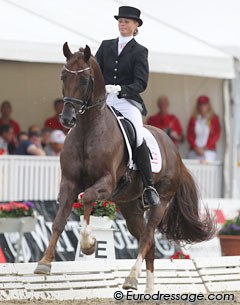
(84, 104)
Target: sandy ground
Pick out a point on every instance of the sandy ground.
(113, 302)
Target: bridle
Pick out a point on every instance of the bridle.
(83, 103)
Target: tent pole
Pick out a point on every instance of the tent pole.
(236, 132)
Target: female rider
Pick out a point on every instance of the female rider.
(124, 64)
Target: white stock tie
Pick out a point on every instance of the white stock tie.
(120, 47)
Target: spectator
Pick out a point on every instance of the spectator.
(166, 121)
(22, 136)
(34, 128)
(56, 143)
(32, 146)
(46, 133)
(6, 112)
(53, 122)
(6, 134)
(203, 131)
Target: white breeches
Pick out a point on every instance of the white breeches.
(130, 112)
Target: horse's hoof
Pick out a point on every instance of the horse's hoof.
(43, 268)
(91, 250)
(130, 283)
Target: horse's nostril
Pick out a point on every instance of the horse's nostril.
(73, 121)
(67, 122)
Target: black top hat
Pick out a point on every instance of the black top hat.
(129, 12)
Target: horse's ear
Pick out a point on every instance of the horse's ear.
(66, 51)
(87, 53)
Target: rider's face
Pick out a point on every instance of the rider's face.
(127, 26)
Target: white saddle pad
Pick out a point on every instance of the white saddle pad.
(156, 161)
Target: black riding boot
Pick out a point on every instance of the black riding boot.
(150, 195)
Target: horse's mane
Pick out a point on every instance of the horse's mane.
(94, 64)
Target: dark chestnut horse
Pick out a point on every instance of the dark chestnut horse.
(93, 161)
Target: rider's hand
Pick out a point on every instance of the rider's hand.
(113, 89)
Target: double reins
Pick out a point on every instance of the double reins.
(83, 103)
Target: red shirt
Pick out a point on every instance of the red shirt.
(165, 122)
(15, 126)
(16, 129)
(54, 123)
(214, 133)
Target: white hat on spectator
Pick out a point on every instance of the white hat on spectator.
(57, 136)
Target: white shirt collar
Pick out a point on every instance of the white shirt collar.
(125, 40)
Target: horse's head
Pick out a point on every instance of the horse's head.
(78, 84)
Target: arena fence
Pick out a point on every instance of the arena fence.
(37, 178)
(90, 279)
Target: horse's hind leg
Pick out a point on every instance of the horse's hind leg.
(155, 215)
(67, 195)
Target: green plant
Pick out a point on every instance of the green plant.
(231, 227)
(16, 209)
(99, 208)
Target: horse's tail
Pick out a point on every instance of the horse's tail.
(182, 220)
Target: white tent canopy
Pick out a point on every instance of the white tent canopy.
(35, 31)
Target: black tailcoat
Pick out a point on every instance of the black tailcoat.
(129, 69)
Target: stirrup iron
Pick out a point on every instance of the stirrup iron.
(146, 206)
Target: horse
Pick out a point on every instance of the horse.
(93, 161)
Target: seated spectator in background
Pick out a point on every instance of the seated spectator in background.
(46, 133)
(6, 134)
(6, 112)
(56, 143)
(166, 121)
(32, 146)
(34, 128)
(54, 122)
(22, 136)
(203, 131)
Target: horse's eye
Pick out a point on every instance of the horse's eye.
(83, 81)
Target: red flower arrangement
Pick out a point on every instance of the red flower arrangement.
(99, 208)
(16, 209)
(180, 255)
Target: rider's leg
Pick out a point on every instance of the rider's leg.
(150, 195)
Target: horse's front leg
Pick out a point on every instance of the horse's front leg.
(102, 189)
(67, 195)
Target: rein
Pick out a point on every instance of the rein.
(84, 104)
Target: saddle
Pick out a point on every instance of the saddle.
(128, 128)
(129, 135)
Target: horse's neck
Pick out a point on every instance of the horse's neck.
(93, 120)
(99, 83)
